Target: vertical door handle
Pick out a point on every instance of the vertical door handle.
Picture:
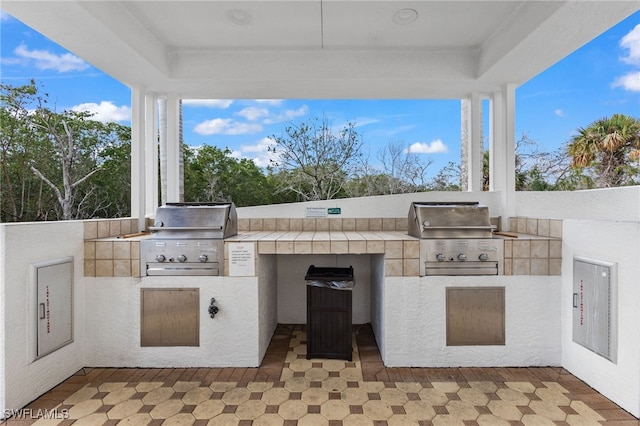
(41, 315)
(575, 300)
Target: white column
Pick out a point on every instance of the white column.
(151, 158)
(138, 128)
(476, 148)
(173, 141)
(502, 158)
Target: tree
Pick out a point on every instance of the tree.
(607, 148)
(316, 160)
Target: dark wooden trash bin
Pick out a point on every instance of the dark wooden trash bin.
(329, 312)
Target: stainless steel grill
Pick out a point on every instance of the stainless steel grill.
(455, 239)
(188, 239)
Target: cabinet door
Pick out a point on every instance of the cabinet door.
(54, 284)
(593, 299)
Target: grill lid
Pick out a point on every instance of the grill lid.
(195, 221)
(449, 220)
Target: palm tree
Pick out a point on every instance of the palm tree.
(609, 145)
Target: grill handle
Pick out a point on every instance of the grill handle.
(185, 228)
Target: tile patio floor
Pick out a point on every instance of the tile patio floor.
(288, 389)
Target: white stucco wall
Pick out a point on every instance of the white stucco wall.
(415, 323)
(267, 300)
(24, 379)
(602, 225)
(292, 288)
(112, 323)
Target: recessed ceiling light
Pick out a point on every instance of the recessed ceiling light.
(239, 16)
(405, 16)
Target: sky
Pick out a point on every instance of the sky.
(600, 79)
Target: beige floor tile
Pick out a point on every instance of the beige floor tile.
(148, 386)
(371, 386)
(535, 420)
(419, 410)
(251, 409)
(555, 385)
(138, 419)
(297, 384)
(548, 410)
(292, 409)
(351, 374)
(185, 386)
(110, 387)
(287, 374)
(354, 396)
(157, 396)
(357, 420)
(316, 374)
(222, 386)
(84, 408)
(124, 409)
(208, 409)
(259, 386)
(433, 396)
(312, 420)
(225, 419)
(553, 396)
(236, 396)
(92, 420)
(47, 422)
(275, 396)
(377, 410)
(335, 409)
(334, 384)
(394, 396)
(333, 365)
(300, 365)
(181, 419)
(512, 396)
(524, 387)
(491, 420)
(505, 410)
(268, 420)
(447, 420)
(409, 386)
(401, 420)
(486, 387)
(462, 410)
(473, 396)
(117, 396)
(585, 411)
(196, 396)
(448, 387)
(315, 396)
(82, 395)
(166, 409)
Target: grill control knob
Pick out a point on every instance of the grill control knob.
(440, 257)
(182, 258)
(483, 257)
(462, 257)
(203, 258)
(160, 258)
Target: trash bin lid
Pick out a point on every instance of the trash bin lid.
(329, 274)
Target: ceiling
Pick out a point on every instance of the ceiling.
(321, 48)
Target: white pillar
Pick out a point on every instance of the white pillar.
(138, 187)
(502, 158)
(151, 157)
(476, 149)
(173, 149)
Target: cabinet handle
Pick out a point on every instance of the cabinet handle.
(42, 311)
(575, 300)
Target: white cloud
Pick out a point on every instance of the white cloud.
(435, 147)
(558, 112)
(629, 81)
(226, 126)
(253, 113)
(45, 60)
(105, 111)
(631, 41)
(208, 103)
(288, 115)
(4, 16)
(274, 102)
(258, 153)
